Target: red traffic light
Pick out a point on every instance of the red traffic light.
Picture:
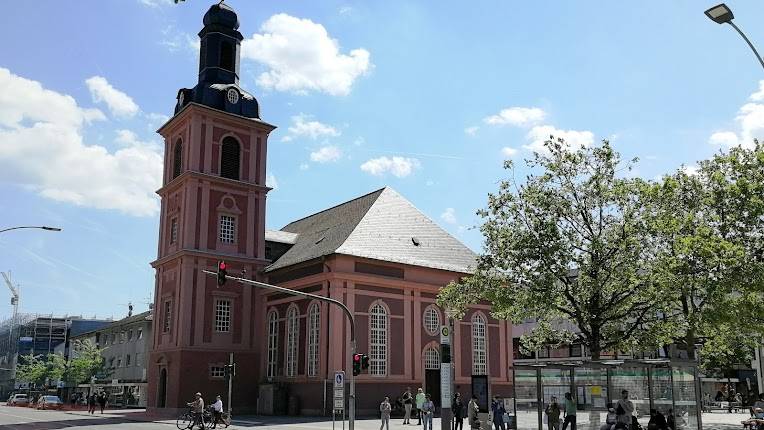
(222, 266)
(357, 357)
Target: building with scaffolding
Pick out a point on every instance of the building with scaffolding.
(36, 334)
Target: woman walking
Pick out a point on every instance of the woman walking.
(420, 398)
(384, 413)
(457, 407)
(428, 409)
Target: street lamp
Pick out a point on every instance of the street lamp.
(41, 227)
(721, 14)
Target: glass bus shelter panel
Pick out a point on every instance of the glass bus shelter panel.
(663, 394)
(634, 380)
(526, 399)
(555, 382)
(591, 397)
(685, 404)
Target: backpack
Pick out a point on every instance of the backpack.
(619, 410)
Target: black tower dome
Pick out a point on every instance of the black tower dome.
(219, 53)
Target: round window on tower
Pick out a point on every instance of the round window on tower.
(233, 96)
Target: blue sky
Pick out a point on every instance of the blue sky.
(427, 99)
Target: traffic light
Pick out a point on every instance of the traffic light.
(357, 364)
(221, 273)
(227, 371)
(364, 361)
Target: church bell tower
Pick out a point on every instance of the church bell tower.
(213, 208)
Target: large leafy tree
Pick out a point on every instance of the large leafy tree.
(567, 248)
(87, 362)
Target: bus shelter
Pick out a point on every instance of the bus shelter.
(672, 387)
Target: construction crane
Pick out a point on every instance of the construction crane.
(15, 303)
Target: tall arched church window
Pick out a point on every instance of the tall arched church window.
(291, 347)
(314, 320)
(273, 343)
(431, 359)
(177, 161)
(378, 340)
(226, 55)
(229, 158)
(479, 356)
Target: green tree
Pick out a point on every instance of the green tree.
(86, 363)
(31, 369)
(566, 247)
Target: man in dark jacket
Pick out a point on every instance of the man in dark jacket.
(457, 408)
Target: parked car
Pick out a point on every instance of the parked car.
(19, 400)
(49, 402)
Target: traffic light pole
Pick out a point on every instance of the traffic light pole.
(348, 314)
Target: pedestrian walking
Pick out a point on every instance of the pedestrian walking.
(472, 413)
(428, 409)
(102, 400)
(384, 413)
(457, 407)
(570, 412)
(624, 409)
(553, 412)
(91, 403)
(408, 401)
(420, 398)
(498, 410)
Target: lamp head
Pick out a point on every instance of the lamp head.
(720, 14)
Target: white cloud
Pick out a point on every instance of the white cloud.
(304, 166)
(574, 139)
(508, 152)
(119, 103)
(449, 216)
(345, 10)
(303, 126)
(326, 154)
(397, 166)
(750, 120)
(302, 57)
(359, 141)
(517, 116)
(42, 149)
(724, 138)
(471, 131)
(270, 181)
(155, 3)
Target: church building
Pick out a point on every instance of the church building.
(377, 254)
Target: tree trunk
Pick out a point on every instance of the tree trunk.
(594, 343)
(689, 344)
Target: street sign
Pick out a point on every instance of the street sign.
(445, 331)
(339, 391)
(445, 385)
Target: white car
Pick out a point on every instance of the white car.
(19, 400)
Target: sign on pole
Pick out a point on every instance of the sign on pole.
(445, 384)
(445, 331)
(339, 391)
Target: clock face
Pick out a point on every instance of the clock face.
(233, 96)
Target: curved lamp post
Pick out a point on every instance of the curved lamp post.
(721, 14)
(41, 227)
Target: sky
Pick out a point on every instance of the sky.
(426, 97)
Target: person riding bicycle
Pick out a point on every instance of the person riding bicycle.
(217, 412)
(197, 408)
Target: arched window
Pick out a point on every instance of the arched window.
(177, 161)
(431, 359)
(479, 361)
(431, 320)
(291, 347)
(226, 55)
(378, 340)
(229, 158)
(314, 320)
(273, 343)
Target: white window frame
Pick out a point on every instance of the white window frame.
(217, 372)
(378, 326)
(431, 358)
(223, 313)
(479, 352)
(127, 360)
(292, 335)
(431, 320)
(273, 343)
(314, 330)
(227, 227)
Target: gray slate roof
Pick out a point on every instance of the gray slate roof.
(381, 225)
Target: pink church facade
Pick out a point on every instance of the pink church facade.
(377, 254)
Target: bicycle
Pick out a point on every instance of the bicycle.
(188, 419)
(209, 416)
